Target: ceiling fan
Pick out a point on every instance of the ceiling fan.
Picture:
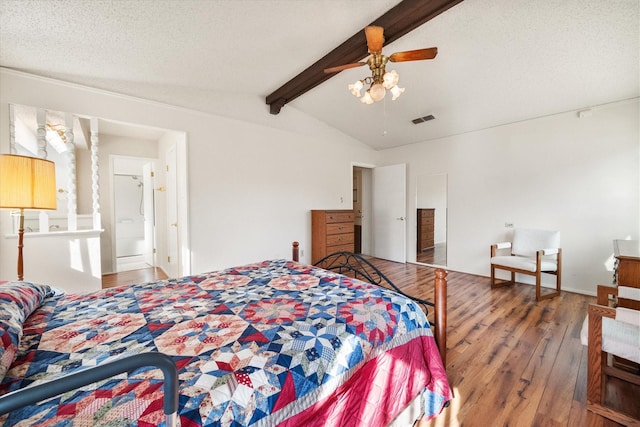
(381, 79)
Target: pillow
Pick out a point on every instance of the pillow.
(527, 242)
(17, 302)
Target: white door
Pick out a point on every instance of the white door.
(172, 215)
(389, 213)
(149, 214)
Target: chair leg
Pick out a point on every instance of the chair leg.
(499, 285)
(551, 294)
(493, 276)
(559, 271)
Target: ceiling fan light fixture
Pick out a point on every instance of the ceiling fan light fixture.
(396, 92)
(390, 79)
(381, 80)
(356, 88)
(366, 98)
(377, 92)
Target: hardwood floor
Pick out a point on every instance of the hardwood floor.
(511, 361)
(436, 255)
(132, 276)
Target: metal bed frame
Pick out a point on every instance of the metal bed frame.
(344, 262)
(349, 262)
(34, 394)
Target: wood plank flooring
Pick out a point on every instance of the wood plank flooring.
(133, 276)
(511, 361)
(436, 255)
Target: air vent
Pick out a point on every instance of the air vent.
(423, 119)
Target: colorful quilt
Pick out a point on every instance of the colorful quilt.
(267, 344)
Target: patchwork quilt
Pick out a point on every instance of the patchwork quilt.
(266, 344)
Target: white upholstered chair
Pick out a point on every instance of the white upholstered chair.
(533, 252)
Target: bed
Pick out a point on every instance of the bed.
(270, 343)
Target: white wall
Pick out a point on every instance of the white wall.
(68, 260)
(579, 176)
(251, 186)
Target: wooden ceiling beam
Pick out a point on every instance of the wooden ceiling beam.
(406, 16)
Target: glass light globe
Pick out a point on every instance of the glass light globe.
(390, 79)
(396, 92)
(377, 92)
(366, 98)
(356, 88)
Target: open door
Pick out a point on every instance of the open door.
(149, 214)
(389, 213)
(172, 265)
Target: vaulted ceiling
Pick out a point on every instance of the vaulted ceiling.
(499, 61)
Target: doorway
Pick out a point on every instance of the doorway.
(380, 210)
(362, 209)
(357, 209)
(431, 230)
(115, 139)
(134, 213)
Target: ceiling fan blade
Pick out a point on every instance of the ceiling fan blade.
(344, 67)
(414, 55)
(375, 38)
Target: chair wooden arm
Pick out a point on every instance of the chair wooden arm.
(628, 299)
(501, 245)
(551, 251)
(603, 293)
(594, 351)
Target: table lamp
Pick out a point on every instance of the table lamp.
(26, 183)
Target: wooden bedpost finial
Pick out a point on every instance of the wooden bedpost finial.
(295, 254)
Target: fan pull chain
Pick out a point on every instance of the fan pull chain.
(384, 119)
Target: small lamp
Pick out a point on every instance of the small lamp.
(26, 183)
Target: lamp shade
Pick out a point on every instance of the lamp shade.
(27, 182)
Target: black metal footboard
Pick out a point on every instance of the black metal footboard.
(344, 262)
(34, 394)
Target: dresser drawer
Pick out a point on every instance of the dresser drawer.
(346, 248)
(340, 228)
(339, 239)
(333, 217)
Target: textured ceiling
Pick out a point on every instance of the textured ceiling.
(499, 61)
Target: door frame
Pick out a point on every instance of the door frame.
(148, 178)
(367, 195)
(173, 228)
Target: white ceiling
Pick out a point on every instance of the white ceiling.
(499, 61)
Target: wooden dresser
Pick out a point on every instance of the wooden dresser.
(331, 231)
(627, 254)
(426, 221)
